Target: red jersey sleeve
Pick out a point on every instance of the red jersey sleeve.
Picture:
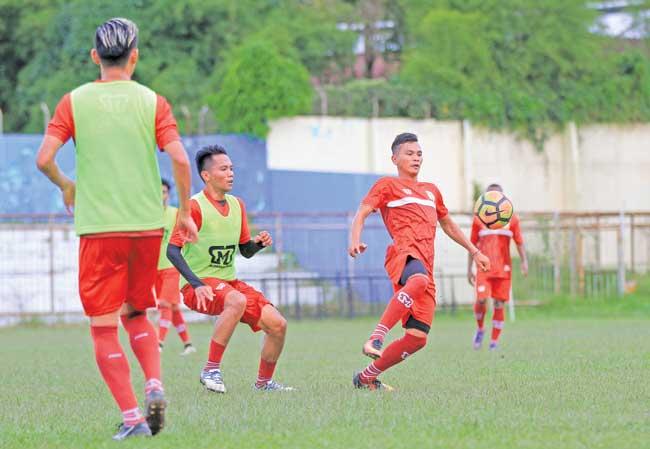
(178, 238)
(166, 126)
(516, 230)
(61, 125)
(441, 209)
(475, 228)
(245, 235)
(376, 197)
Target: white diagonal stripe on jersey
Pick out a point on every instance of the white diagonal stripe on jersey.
(411, 200)
(504, 232)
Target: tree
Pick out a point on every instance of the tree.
(259, 84)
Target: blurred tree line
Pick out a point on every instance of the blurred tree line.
(232, 65)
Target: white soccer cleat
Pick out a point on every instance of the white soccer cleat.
(189, 349)
(213, 381)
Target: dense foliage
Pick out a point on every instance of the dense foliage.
(523, 65)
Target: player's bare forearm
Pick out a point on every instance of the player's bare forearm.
(521, 249)
(45, 161)
(356, 246)
(182, 173)
(456, 234)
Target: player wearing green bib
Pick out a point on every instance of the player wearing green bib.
(116, 125)
(210, 283)
(167, 283)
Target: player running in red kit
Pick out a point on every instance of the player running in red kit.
(410, 210)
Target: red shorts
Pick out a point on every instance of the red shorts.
(115, 270)
(490, 287)
(423, 309)
(255, 301)
(168, 285)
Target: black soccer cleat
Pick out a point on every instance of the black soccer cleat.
(155, 405)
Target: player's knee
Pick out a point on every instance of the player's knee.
(281, 326)
(235, 303)
(498, 304)
(417, 339)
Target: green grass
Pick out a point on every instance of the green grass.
(555, 383)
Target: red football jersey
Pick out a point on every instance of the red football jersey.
(495, 244)
(410, 211)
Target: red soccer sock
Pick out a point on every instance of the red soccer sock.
(114, 368)
(164, 322)
(397, 351)
(179, 324)
(265, 372)
(214, 356)
(479, 313)
(497, 323)
(144, 343)
(400, 304)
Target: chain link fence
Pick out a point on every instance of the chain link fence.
(307, 272)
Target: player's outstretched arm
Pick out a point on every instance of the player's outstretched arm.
(183, 178)
(46, 163)
(252, 247)
(470, 273)
(456, 234)
(203, 292)
(356, 246)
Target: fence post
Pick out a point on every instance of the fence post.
(620, 279)
(51, 266)
(573, 260)
(278, 250)
(556, 256)
(632, 264)
(350, 298)
(580, 268)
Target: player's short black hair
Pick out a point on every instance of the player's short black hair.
(205, 154)
(114, 40)
(402, 138)
(166, 183)
(494, 186)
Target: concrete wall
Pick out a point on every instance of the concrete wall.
(600, 167)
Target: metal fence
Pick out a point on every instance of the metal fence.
(308, 273)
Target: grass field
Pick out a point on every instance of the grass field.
(557, 382)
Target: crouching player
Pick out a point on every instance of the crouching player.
(209, 283)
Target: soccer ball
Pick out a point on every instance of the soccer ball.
(493, 209)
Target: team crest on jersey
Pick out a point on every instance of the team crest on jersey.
(221, 256)
(405, 355)
(408, 191)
